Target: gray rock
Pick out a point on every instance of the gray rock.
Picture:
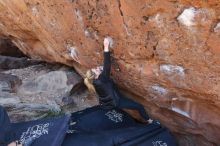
(32, 111)
(50, 83)
(9, 83)
(42, 90)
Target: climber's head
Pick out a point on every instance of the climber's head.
(92, 75)
(97, 71)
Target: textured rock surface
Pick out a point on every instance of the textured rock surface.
(42, 90)
(167, 52)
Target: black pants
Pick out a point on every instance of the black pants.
(127, 103)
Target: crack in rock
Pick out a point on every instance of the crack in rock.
(124, 23)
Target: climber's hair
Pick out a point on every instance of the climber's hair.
(90, 76)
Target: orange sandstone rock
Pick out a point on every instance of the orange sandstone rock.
(166, 53)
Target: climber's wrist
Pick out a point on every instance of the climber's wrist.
(106, 49)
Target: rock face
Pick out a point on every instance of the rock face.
(165, 53)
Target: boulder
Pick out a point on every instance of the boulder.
(165, 53)
(53, 85)
(42, 90)
(47, 83)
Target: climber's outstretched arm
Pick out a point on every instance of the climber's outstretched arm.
(107, 59)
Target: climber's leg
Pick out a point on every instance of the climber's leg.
(130, 104)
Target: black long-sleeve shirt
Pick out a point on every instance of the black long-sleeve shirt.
(109, 95)
(104, 85)
(107, 65)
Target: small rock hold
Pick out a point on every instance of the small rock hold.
(158, 89)
(34, 10)
(145, 18)
(87, 33)
(53, 81)
(187, 17)
(172, 69)
(79, 17)
(217, 28)
(73, 53)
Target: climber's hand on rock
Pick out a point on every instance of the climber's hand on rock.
(106, 45)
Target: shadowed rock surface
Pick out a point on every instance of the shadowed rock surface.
(8, 62)
(7, 48)
(166, 53)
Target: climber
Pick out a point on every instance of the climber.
(98, 80)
